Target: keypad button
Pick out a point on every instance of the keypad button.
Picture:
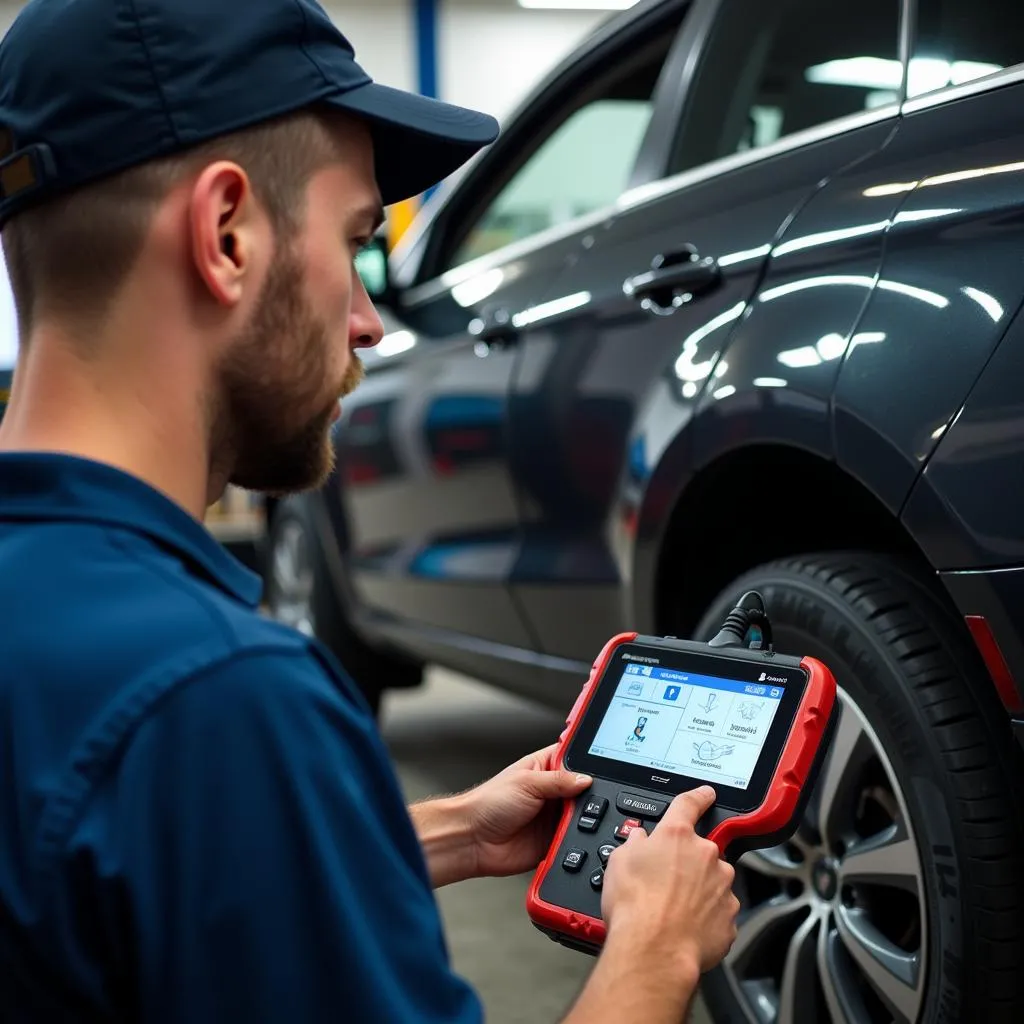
(574, 860)
(622, 832)
(604, 852)
(597, 879)
(595, 807)
(587, 824)
(641, 806)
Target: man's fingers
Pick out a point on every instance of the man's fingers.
(551, 785)
(540, 760)
(689, 807)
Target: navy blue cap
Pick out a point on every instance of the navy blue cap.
(92, 87)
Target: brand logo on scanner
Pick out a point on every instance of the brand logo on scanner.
(640, 657)
(764, 677)
(642, 806)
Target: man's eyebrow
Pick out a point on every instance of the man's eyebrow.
(372, 213)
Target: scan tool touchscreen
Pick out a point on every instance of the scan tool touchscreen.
(701, 726)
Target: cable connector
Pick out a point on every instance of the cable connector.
(748, 615)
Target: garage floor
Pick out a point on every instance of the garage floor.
(445, 737)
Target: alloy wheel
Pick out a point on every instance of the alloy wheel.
(833, 928)
(291, 579)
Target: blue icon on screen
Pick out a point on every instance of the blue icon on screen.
(776, 692)
(671, 693)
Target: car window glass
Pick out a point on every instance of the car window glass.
(956, 42)
(772, 69)
(583, 161)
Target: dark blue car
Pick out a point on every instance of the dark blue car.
(734, 302)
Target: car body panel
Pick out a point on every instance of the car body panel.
(431, 509)
(967, 509)
(613, 386)
(950, 283)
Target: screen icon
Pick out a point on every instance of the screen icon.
(636, 689)
(776, 692)
(671, 693)
(710, 703)
(638, 730)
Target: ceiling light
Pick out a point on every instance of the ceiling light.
(578, 5)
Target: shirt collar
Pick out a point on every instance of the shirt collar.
(47, 486)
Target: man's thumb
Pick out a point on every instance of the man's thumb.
(552, 785)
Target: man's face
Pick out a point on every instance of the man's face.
(284, 375)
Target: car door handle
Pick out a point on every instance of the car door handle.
(494, 327)
(673, 280)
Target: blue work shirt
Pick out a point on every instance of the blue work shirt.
(199, 822)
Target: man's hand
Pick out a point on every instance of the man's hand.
(513, 816)
(671, 915)
(672, 889)
(502, 827)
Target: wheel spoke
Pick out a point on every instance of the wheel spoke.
(795, 1004)
(842, 997)
(888, 859)
(759, 926)
(774, 863)
(892, 973)
(851, 750)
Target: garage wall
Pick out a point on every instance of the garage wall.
(492, 54)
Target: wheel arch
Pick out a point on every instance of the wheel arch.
(769, 499)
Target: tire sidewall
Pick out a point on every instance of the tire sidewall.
(803, 612)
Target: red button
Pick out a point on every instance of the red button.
(622, 832)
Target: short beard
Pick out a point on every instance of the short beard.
(272, 428)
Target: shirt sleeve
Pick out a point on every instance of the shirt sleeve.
(270, 870)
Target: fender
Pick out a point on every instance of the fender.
(966, 509)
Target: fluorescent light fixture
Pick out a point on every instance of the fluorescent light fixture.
(578, 5)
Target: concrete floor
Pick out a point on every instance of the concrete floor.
(446, 737)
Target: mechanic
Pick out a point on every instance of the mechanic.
(198, 818)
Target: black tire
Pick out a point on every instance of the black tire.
(292, 536)
(903, 659)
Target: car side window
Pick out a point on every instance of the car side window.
(956, 42)
(578, 163)
(772, 69)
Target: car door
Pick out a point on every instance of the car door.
(951, 282)
(431, 510)
(605, 394)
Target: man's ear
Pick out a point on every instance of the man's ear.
(226, 230)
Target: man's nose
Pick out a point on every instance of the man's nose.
(365, 325)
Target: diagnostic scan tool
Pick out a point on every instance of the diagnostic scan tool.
(659, 716)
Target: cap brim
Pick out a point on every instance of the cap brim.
(417, 141)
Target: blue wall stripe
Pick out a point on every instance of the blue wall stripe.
(426, 46)
(426, 49)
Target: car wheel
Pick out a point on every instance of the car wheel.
(901, 897)
(300, 594)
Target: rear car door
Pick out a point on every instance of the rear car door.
(604, 393)
(430, 508)
(951, 281)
